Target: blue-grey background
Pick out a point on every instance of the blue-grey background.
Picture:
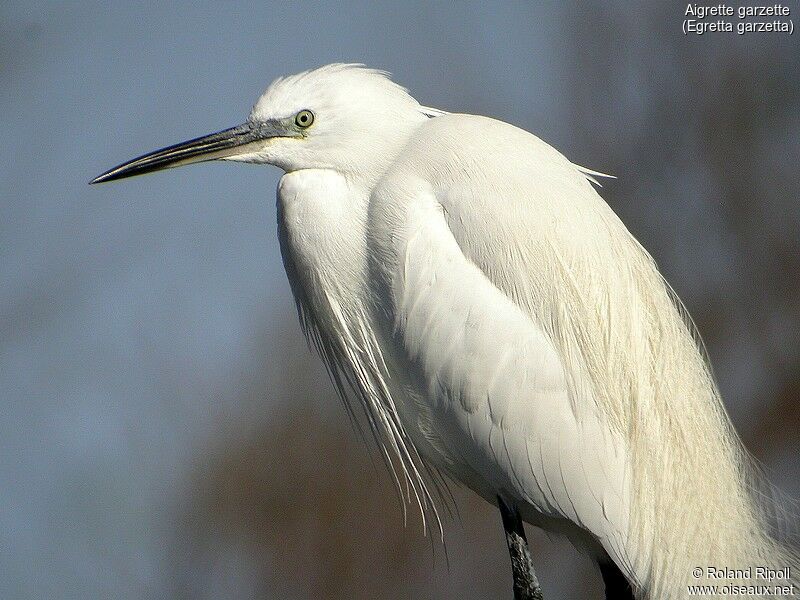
(165, 433)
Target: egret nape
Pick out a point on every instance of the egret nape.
(468, 287)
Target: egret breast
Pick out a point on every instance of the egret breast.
(316, 212)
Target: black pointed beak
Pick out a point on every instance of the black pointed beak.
(221, 144)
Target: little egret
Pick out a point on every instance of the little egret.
(502, 328)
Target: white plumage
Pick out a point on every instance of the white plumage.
(501, 326)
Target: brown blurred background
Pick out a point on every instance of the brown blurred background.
(167, 434)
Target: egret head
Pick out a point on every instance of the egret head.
(342, 117)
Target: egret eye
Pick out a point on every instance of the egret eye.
(304, 118)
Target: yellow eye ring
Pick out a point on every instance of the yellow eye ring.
(304, 118)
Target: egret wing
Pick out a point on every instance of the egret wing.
(465, 261)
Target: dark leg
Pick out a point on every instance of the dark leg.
(617, 587)
(526, 586)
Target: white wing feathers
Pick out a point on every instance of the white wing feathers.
(470, 290)
(592, 175)
(626, 438)
(502, 382)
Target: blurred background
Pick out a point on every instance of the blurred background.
(164, 431)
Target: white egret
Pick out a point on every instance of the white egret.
(500, 326)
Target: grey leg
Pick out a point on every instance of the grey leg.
(526, 586)
(617, 587)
